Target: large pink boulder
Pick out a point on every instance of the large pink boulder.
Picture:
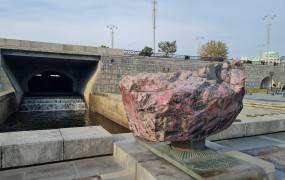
(184, 105)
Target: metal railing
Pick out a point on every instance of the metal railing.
(173, 56)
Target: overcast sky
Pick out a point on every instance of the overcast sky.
(237, 22)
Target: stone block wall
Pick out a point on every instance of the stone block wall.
(256, 73)
(111, 70)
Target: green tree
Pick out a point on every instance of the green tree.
(214, 50)
(103, 46)
(168, 47)
(146, 51)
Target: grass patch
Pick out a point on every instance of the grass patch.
(256, 90)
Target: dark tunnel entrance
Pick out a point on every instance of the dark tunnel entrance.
(50, 83)
(43, 73)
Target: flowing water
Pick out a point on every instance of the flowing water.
(39, 113)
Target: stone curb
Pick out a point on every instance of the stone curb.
(44, 146)
(250, 128)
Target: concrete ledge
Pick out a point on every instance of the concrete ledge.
(86, 142)
(251, 128)
(37, 147)
(58, 48)
(31, 147)
(143, 164)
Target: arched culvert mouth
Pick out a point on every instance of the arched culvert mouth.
(50, 83)
(265, 83)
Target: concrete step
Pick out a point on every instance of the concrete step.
(46, 146)
(97, 168)
(119, 175)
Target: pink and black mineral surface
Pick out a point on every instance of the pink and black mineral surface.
(184, 105)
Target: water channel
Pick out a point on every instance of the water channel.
(56, 112)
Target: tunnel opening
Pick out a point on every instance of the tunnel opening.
(50, 83)
(45, 73)
(265, 83)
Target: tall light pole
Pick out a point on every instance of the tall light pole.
(199, 39)
(260, 49)
(154, 23)
(268, 20)
(112, 29)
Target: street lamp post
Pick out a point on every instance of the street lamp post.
(268, 20)
(260, 48)
(154, 24)
(199, 39)
(112, 29)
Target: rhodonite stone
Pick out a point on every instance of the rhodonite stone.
(183, 105)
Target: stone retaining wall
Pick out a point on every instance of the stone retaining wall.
(111, 70)
(8, 104)
(110, 106)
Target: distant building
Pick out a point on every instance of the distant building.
(251, 59)
(282, 59)
(270, 57)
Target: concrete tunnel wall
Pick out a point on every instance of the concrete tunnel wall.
(21, 66)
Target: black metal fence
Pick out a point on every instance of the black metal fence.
(173, 56)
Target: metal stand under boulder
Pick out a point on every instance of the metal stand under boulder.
(203, 163)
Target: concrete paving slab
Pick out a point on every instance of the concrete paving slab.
(280, 136)
(267, 168)
(128, 153)
(279, 175)
(86, 142)
(246, 143)
(273, 154)
(131, 155)
(12, 176)
(62, 171)
(31, 147)
(208, 163)
(119, 175)
(97, 166)
(103, 167)
(159, 170)
(90, 178)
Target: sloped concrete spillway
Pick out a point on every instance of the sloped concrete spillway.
(60, 103)
(54, 112)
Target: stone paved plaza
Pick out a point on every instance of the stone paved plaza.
(266, 97)
(269, 147)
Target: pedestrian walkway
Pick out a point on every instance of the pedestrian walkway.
(269, 147)
(92, 168)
